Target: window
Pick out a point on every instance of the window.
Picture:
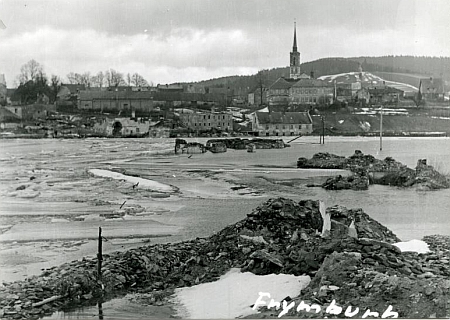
(299, 126)
(137, 130)
(276, 127)
(267, 127)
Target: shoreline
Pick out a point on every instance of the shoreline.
(164, 267)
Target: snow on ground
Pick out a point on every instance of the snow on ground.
(234, 293)
(418, 246)
(143, 183)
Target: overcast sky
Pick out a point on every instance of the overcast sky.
(182, 40)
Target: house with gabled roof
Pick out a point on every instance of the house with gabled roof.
(282, 123)
(432, 89)
(68, 91)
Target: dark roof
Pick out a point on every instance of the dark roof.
(74, 88)
(281, 83)
(147, 95)
(384, 90)
(283, 117)
(434, 84)
(312, 83)
(111, 95)
(186, 96)
(6, 115)
(119, 88)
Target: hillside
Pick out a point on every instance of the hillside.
(368, 78)
(403, 69)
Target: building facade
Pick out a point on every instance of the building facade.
(202, 121)
(282, 123)
(115, 100)
(432, 89)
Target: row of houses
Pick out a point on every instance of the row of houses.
(261, 124)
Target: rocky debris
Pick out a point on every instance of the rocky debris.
(366, 168)
(322, 160)
(428, 178)
(361, 267)
(242, 143)
(357, 181)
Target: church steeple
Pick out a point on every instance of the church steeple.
(294, 47)
(295, 58)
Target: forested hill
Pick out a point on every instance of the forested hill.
(417, 67)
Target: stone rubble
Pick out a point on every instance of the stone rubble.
(279, 236)
(367, 169)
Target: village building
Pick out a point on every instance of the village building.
(123, 127)
(282, 123)
(32, 112)
(384, 94)
(176, 99)
(432, 89)
(3, 90)
(257, 97)
(299, 88)
(115, 100)
(69, 91)
(175, 87)
(203, 121)
(9, 120)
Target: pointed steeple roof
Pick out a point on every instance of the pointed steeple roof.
(294, 47)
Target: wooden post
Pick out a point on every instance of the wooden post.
(381, 127)
(323, 131)
(100, 310)
(99, 254)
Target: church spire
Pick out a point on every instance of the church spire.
(294, 47)
(295, 58)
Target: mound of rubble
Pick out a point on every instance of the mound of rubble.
(367, 169)
(242, 143)
(350, 257)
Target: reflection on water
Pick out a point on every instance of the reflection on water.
(117, 308)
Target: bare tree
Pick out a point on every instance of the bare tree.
(74, 78)
(86, 79)
(30, 71)
(138, 81)
(128, 79)
(114, 78)
(98, 80)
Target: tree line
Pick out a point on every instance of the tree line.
(34, 84)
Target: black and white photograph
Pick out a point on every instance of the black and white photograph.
(223, 159)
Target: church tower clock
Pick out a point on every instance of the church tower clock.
(295, 58)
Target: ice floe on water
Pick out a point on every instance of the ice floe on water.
(418, 246)
(234, 294)
(143, 183)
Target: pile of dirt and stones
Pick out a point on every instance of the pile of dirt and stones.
(353, 262)
(242, 143)
(367, 170)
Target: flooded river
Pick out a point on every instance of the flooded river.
(51, 202)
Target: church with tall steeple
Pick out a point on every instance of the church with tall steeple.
(295, 58)
(299, 88)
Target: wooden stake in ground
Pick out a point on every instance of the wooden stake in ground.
(99, 254)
